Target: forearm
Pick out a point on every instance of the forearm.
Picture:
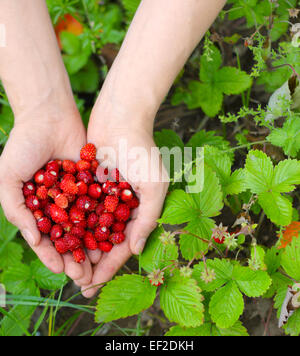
(31, 67)
(159, 41)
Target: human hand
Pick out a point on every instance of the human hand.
(104, 133)
(47, 133)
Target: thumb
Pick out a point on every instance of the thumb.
(13, 204)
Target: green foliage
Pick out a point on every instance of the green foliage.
(214, 82)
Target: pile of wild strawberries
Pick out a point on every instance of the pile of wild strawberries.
(76, 209)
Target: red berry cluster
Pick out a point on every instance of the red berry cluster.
(76, 209)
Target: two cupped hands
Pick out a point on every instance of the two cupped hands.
(50, 132)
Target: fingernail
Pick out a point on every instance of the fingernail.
(139, 247)
(28, 237)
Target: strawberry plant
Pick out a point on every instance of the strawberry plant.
(221, 247)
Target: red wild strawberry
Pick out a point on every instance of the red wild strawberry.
(53, 166)
(106, 187)
(38, 214)
(85, 176)
(58, 214)
(72, 241)
(42, 192)
(84, 203)
(122, 213)
(133, 203)
(92, 221)
(39, 177)
(111, 202)
(115, 191)
(126, 195)
(61, 246)
(94, 191)
(28, 189)
(68, 176)
(67, 226)
(81, 223)
(54, 192)
(83, 165)
(89, 241)
(102, 233)
(124, 185)
(88, 152)
(56, 232)
(44, 225)
(76, 215)
(78, 231)
(94, 166)
(117, 238)
(82, 188)
(44, 203)
(62, 201)
(50, 178)
(79, 255)
(47, 210)
(100, 209)
(69, 166)
(69, 187)
(32, 203)
(118, 226)
(105, 246)
(106, 219)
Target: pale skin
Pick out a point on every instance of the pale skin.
(47, 124)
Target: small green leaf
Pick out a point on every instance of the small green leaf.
(124, 296)
(259, 171)
(181, 301)
(290, 259)
(277, 207)
(46, 279)
(226, 305)
(252, 283)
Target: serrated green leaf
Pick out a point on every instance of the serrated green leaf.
(124, 296)
(252, 283)
(46, 279)
(286, 175)
(18, 280)
(223, 270)
(236, 330)
(287, 137)
(236, 183)
(226, 305)
(203, 330)
(20, 313)
(277, 207)
(157, 255)
(7, 230)
(10, 254)
(293, 325)
(231, 80)
(273, 259)
(259, 171)
(70, 43)
(179, 208)
(181, 301)
(290, 259)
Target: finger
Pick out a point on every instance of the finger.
(48, 255)
(87, 274)
(72, 269)
(13, 204)
(144, 220)
(94, 256)
(108, 266)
